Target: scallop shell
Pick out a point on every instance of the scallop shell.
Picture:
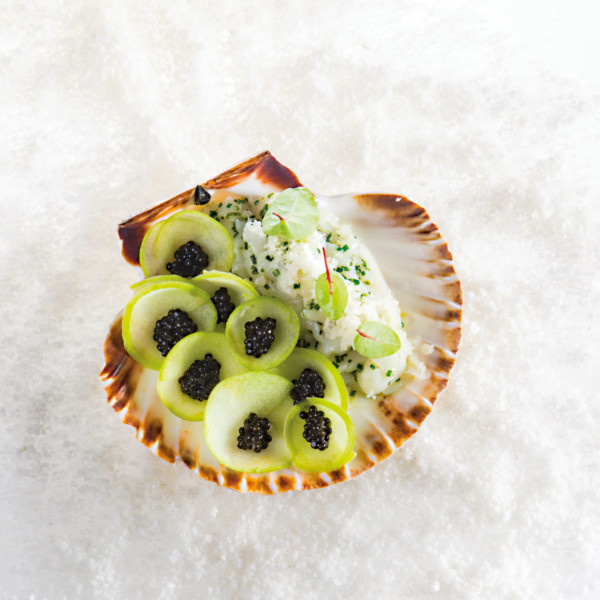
(416, 264)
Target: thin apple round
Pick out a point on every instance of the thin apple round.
(313, 376)
(320, 436)
(186, 244)
(262, 332)
(244, 422)
(160, 315)
(227, 291)
(191, 371)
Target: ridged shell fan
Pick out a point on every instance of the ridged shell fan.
(417, 266)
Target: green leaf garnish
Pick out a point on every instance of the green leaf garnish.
(331, 293)
(376, 340)
(293, 213)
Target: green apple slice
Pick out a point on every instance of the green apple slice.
(181, 357)
(186, 226)
(152, 303)
(341, 441)
(230, 404)
(138, 285)
(303, 358)
(239, 289)
(286, 331)
(149, 261)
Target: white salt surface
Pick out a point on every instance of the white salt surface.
(485, 113)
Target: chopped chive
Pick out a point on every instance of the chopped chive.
(373, 367)
(245, 245)
(389, 373)
(296, 286)
(213, 213)
(266, 286)
(328, 238)
(359, 367)
(253, 259)
(353, 393)
(255, 270)
(355, 281)
(269, 258)
(276, 273)
(229, 205)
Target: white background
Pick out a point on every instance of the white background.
(485, 113)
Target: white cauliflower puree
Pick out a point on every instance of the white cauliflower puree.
(287, 270)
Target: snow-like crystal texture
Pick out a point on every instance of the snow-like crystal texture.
(485, 113)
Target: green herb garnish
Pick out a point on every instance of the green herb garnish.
(331, 293)
(293, 213)
(376, 340)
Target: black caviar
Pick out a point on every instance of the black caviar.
(172, 328)
(309, 385)
(223, 304)
(254, 434)
(201, 196)
(200, 378)
(317, 428)
(259, 336)
(190, 260)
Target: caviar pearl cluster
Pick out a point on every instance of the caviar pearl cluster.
(227, 355)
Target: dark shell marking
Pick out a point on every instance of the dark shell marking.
(264, 167)
(434, 303)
